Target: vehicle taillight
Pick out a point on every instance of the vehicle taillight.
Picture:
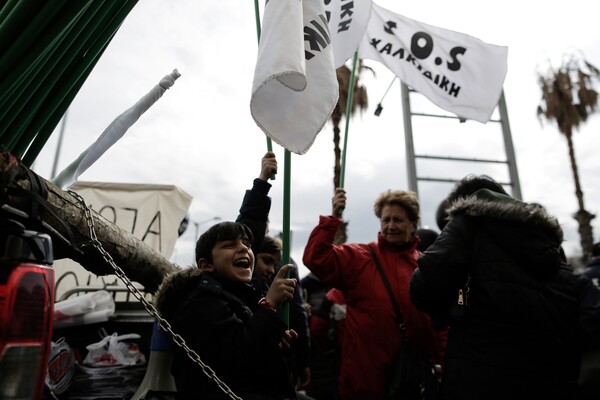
(26, 312)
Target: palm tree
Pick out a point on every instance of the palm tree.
(360, 102)
(569, 98)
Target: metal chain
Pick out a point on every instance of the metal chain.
(163, 323)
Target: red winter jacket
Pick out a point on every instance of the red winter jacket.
(371, 337)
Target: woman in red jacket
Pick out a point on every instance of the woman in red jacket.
(372, 337)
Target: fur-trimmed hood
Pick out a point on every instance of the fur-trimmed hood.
(525, 232)
(179, 286)
(169, 294)
(485, 203)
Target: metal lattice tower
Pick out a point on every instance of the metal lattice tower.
(411, 157)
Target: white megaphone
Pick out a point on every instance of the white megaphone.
(158, 379)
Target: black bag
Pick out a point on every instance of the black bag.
(414, 376)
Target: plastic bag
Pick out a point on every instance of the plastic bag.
(115, 350)
(61, 366)
(84, 310)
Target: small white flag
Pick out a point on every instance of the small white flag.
(114, 132)
(457, 72)
(295, 88)
(348, 21)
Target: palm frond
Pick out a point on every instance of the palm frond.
(568, 94)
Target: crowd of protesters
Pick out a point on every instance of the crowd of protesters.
(490, 302)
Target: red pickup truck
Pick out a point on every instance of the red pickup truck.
(26, 310)
(27, 290)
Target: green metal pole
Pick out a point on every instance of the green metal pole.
(348, 108)
(287, 167)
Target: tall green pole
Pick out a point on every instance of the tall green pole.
(287, 166)
(348, 110)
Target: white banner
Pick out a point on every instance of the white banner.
(457, 72)
(151, 213)
(348, 21)
(295, 88)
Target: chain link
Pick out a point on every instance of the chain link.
(163, 323)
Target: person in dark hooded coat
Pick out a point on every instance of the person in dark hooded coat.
(515, 335)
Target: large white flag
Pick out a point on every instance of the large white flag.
(457, 72)
(295, 87)
(114, 132)
(348, 21)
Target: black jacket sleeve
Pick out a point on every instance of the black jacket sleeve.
(254, 212)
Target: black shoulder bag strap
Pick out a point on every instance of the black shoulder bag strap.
(389, 290)
(414, 373)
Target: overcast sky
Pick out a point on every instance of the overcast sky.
(201, 137)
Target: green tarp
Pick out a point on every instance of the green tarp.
(47, 50)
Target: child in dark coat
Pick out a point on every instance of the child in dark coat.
(224, 319)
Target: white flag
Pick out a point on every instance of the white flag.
(457, 72)
(114, 132)
(348, 21)
(295, 88)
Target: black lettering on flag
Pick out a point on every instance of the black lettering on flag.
(386, 49)
(440, 80)
(318, 39)
(454, 90)
(375, 42)
(344, 25)
(455, 64)
(399, 53)
(347, 10)
(389, 27)
(444, 83)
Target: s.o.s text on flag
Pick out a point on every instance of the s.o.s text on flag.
(457, 72)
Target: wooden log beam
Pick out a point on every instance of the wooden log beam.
(139, 262)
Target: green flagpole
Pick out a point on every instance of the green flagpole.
(348, 108)
(287, 165)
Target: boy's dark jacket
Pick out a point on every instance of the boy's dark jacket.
(232, 334)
